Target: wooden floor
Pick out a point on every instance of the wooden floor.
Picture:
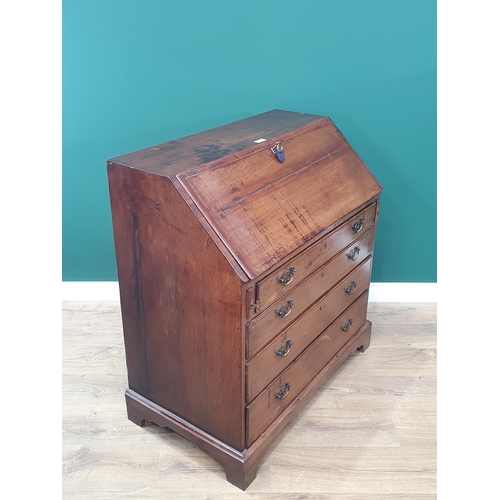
(370, 433)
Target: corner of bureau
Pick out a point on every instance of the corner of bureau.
(244, 257)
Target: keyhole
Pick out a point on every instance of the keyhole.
(321, 275)
(320, 308)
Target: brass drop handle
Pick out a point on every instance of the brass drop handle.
(287, 277)
(354, 253)
(350, 288)
(358, 225)
(284, 349)
(283, 392)
(285, 309)
(347, 325)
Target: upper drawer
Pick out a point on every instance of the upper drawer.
(284, 311)
(293, 272)
(263, 209)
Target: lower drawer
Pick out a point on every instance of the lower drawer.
(279, 353)
(264, 409)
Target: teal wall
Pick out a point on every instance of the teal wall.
(140, 72)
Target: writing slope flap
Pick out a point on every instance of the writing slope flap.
(263, 208)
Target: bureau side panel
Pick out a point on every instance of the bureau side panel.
(180, 307)
(125, 230)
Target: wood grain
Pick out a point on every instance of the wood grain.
(266, 365)
(170, 158)
(265, 214)
(266, 407)
(268, 324)
(371, 429)
(180, 301)
(198, 223)
(270, 289)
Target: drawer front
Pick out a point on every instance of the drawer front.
(281, 281)
(277, 355)
(268, 324)
(285, 388)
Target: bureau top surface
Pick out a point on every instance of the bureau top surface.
(263, 208)
(173, 157)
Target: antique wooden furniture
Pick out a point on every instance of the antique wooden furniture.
(244, 256)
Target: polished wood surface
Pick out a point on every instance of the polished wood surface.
(264, 209)
(227, 182)
(241, 467)
(171, 158)
(268, 324)
(195, 240)
(267, 406)
(262, 368)
(369, 433)
(180, 301)
(270, 288)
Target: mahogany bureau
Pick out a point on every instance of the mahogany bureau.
(244, 256)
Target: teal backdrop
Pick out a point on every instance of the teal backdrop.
(140, 72)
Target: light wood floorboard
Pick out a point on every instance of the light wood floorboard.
(369, 433)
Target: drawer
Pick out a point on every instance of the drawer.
(277, 355)
(284, 311)
(264, 409)
(293, 272)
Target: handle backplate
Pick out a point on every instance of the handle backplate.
(283, 391)
(358, 225)
(284, 349)
(354, 253)
(350, 288)
(287, 277)
(285, 309)
(346, 326)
